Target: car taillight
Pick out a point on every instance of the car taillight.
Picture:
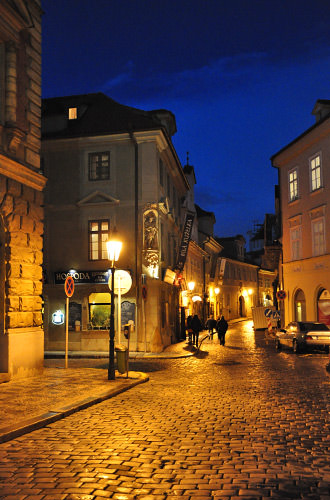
(308, 337)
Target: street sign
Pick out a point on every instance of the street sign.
(281, 294)
(69, 286)
(123, 282)
(268, 312)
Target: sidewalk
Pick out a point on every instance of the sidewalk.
(29, 404)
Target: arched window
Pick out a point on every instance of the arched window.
(299, 306)
(323, 306)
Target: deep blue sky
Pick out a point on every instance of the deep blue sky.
(241, 77)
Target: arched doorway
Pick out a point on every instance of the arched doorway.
(241, 306)
(323, 306)
(299, 306)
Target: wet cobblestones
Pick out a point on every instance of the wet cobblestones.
(235, 422)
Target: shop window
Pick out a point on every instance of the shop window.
(99, 311)
(323, 307)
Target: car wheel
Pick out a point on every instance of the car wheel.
(295, 347)
(277, 344)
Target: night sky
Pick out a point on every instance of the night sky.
(241, 77)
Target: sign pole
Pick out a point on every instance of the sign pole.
(69, 289)
(66, 331)
(119, 308)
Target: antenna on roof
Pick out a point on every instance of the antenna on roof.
(187, 157)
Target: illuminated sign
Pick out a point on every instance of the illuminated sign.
(58, 317)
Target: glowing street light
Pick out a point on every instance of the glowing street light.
(113, 248)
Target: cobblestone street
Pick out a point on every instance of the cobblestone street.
(239, 421)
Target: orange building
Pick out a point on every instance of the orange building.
(304, 178)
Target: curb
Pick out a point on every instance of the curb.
(24, 427)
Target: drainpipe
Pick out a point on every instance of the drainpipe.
(136, 226)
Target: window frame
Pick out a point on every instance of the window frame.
(320, 244)
(296, 251)
(312, 169)
(73, 113)
(101, 177)
(101, 247)
(295, 182)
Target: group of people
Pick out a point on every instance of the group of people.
(194, 326)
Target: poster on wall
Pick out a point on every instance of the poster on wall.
(127, 312)
(74, 314)
(324, 308)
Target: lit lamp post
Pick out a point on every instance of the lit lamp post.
(113, 249)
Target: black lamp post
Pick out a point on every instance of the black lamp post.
(113, 248)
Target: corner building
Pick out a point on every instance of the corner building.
(21, 186)
(111, 166)
(304, 178)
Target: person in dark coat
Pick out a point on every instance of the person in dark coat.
(222, 327)
(211, 324)
(196, 326)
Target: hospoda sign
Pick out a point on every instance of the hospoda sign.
(186, 235)
(82, 277)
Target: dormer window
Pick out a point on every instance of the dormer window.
(73, 113)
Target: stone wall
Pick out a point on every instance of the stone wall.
(21, 190)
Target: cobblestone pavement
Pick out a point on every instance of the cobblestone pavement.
(235, 422)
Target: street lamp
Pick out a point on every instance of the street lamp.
(113, 248)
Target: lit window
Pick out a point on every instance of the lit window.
(293, 185)
(295, 239)
(99, 166)
(73, 113)
(99, 310)
(318, 236)
(98, 236)
(315, 173)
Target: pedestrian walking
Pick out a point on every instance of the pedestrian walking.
(189, 329)
(211, 325)
(196, 328)
(222, 327)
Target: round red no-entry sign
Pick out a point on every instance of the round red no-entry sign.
(69, 286)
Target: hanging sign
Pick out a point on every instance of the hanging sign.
(186, 235)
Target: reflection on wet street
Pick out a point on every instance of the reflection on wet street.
(235, 421)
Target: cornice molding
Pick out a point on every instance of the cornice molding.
(20, 173)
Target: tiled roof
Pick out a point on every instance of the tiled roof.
(98, 114)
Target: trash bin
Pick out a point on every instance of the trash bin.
(121, 354)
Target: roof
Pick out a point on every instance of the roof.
(203, 213)
(98, 114)
(325, 117)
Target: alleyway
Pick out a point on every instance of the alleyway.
(239, 421)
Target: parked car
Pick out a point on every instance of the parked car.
(300, 335)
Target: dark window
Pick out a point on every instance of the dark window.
(161, 173)
(99, 166)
